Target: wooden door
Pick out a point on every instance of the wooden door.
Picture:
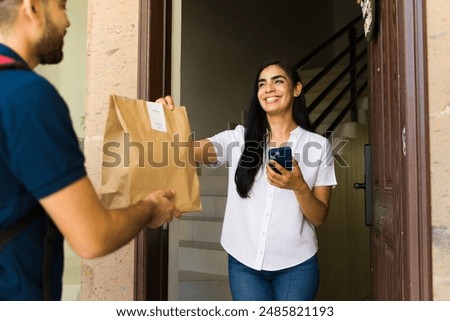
(400, 241)
(151, 249)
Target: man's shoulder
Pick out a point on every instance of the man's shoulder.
(16, 80)
(28, 90)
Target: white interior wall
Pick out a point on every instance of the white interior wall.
(69, 77)
(224, 43)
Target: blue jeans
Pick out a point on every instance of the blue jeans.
(297, 283)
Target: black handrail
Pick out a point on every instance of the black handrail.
(353, 88)
(333, 63)
(335, 82)
(346, 110)
(327, 42)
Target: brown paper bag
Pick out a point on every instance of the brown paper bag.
(147, 148)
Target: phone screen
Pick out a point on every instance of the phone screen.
(283, 156)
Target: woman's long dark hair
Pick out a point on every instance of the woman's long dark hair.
(257, 128)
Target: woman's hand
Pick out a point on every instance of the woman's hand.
(287, 179)
(313, 203)
(204, 151)
(167, 100)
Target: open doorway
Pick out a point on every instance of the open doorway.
(214, 85)
(216, 48)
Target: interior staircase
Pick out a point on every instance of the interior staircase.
(314, 92)
(203, 267)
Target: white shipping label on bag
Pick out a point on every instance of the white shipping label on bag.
(157, 117)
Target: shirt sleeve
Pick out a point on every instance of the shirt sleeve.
(225, 142)
(44, 153)
(326, 175)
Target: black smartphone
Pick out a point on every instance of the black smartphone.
(283, 156)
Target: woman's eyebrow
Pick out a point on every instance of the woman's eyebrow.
(277, 77)
(272, 78)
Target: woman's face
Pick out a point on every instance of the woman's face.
(276, 91)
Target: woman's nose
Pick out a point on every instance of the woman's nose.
(269, 88)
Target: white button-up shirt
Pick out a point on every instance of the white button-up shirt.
(268, 231)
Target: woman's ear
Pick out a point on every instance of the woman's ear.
(298, 89)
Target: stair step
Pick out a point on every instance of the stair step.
(201, 218)
(213, 207)
(213, 185)
(204, 291)
(201, 245)
(203, 257)
(318, 88)
(195, 286)
(333, 114)
(213, 171)
(324, 126)
(190, 276)
(309, 73)
(200, 229)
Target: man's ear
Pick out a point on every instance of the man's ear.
(33, 8)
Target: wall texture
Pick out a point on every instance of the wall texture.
(111, 69)
(438, 42)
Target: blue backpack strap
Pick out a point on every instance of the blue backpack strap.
(49, 249)
(12, 231)
(8, 63)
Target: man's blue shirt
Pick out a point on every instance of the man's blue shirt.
(39, 155)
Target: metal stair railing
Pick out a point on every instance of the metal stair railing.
(355, 69)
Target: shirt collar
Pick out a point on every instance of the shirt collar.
(297, 132)
(6, 51)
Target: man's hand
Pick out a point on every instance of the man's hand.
(93, 231)
(163, 209)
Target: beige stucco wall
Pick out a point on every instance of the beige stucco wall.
(111, 68)
(438, 42)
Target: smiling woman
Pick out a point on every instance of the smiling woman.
(276, 261)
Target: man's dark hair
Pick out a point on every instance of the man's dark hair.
(8, 11)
